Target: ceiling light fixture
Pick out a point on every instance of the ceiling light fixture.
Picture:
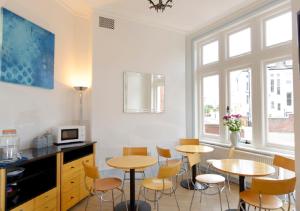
(160, 5)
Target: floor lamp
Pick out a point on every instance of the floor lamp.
(80, 89)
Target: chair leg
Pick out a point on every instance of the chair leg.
(226, 196)
(138, 203)
(201, 195)
(192, 199)
(123, 183)
(87, 201)
(220, 197)
(123, 194)
(176, 198)
(228, 183)
(113, 198)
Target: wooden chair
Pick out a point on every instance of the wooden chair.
(189, 141)
(140, 151)
(166, 154)
(212, 181)
(209, 180)
(230, 155)
(264, 191)
(284, 162)
(101, 185)
(163, 184)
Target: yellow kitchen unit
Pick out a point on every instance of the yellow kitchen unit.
(47, 179)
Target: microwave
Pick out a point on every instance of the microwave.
(68, 134)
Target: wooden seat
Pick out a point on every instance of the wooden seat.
(210, 178)
(157, 184)
(263, 192)
(101, 185)
(107, 184)
(268, 201)
(162, 183)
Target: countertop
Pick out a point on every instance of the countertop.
(29, 155)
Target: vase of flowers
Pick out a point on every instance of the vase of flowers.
(234, 124)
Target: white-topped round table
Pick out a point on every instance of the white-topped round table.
(132, 163)
(243, 168)
(188, 184)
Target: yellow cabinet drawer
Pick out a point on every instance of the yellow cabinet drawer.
(50, 205)
(72, 167)
(71, 183)
(45, 198)
(28, 206)
(89, 160)
(69, 199)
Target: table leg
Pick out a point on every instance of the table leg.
(242, 188)
(191, 183)
(132, 203)
(132, 190)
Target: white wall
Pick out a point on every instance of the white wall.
(141, 48)
(34, 110)
(296, 7)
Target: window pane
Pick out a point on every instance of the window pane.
(279, 29)
(211, 105)
(210, 53)
(280, 124)
(241, 99)
(240, 42)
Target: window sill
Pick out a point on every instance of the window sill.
(250, 148)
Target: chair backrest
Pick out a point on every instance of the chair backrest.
(143, 151)
(162, 152)
(273, 187)
(284, 162)
(231, 152)
(189, 141)
(169, 171)
(193, 159)
(91, 171)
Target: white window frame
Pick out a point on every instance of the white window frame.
(237, 68)
(255, 60)
(264, 30)
(236, 30)
(208, 41)
(265, 102)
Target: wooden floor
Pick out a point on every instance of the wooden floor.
(209, 202)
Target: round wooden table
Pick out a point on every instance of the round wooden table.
(243, 168)
(132, 163)
(191, 184)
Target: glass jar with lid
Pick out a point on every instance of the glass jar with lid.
(9, 144)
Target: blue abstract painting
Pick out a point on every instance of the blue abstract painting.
(27, 52)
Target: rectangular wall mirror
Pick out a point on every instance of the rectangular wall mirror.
(144, 93)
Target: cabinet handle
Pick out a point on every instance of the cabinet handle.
(72, 197)
(72, 182)
(72, 167)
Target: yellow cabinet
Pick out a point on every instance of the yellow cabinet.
(73, 188)
(28, 206)
(44, 202)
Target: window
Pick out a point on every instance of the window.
(211, 105)
(278, 29)
(237, 82)
(278, 86)
(272, 85)
(240, 42)
(289, 99)
(280, 122)
(240, 99)
(210, 53)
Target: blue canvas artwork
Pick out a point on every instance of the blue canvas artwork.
(27, 52)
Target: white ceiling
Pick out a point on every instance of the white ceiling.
(186, 15)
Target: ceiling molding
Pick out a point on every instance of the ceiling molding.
(74, 12)
(140, 21)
